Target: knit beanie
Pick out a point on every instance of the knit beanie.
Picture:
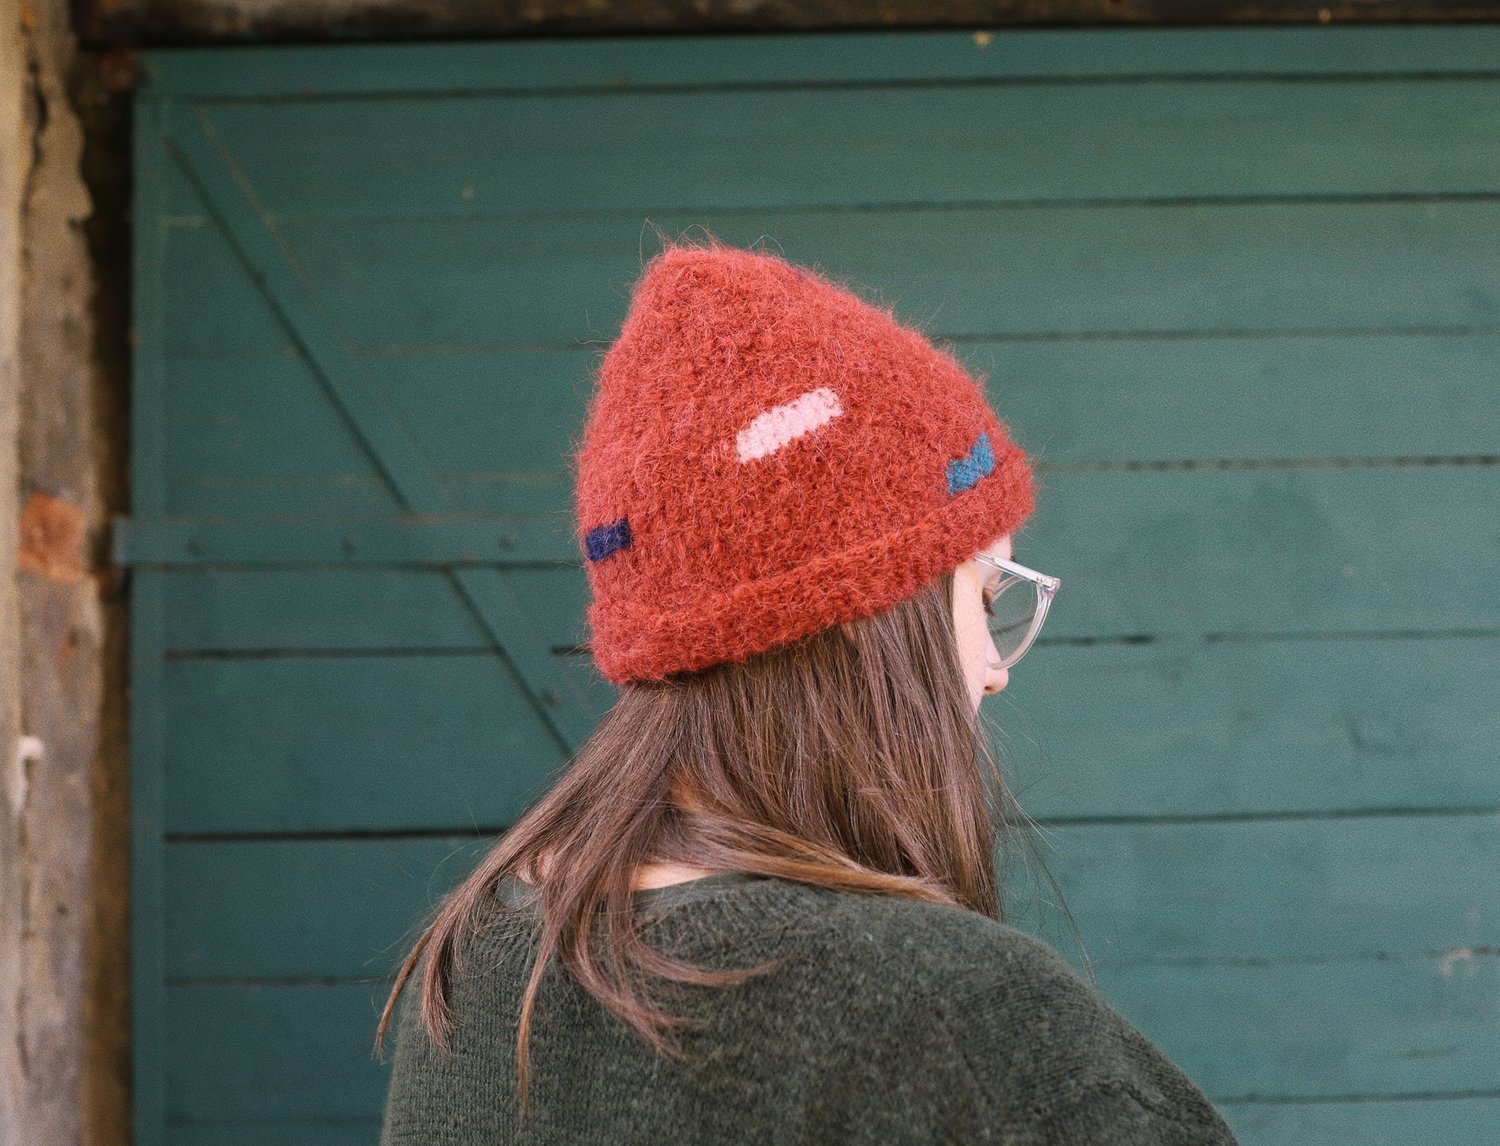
(767, 455)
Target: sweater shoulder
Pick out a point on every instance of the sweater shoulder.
(941, 950)
(891, 958)
(1035, 1035)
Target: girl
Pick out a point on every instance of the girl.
(761, 905)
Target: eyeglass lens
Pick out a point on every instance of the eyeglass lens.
(1012, 610)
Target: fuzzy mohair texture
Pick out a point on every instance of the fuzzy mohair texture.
(766, 455)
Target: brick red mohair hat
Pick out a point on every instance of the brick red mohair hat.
(767, 455)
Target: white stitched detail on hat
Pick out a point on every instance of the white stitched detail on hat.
(774, 428)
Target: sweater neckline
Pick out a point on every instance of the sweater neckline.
(515, 892)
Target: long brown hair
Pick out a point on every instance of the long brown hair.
(851, 759)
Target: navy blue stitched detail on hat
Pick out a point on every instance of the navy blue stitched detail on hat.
(971, 467)
(603, 540)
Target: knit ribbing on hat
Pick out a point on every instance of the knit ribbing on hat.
(767, 455)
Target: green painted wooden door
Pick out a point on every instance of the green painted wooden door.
(1238, 291)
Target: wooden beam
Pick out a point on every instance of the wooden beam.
(64, 924)
(152, 23)
(410, 542)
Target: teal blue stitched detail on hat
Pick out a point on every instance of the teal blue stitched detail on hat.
(967, 471)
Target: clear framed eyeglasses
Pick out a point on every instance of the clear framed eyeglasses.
(1016, 607)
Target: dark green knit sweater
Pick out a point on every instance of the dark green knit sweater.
(891, 1021)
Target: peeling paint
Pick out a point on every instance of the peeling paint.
(29, 753)
(54, 535)
(1452, 958)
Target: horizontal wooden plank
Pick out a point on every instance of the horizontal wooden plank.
(1141, 893)
(370, 743)
(1323, 1030)
(1116, 401)
(963, 272)
(216, 410)
(848, 57)
(445, 541)
(274, 1054)
(1308, 1031)
(1269, 890)
(494, 422)
(367, 609)
(1360, 1122)
(694, 149)
(317, 909)
(484, 416)
(1195, 728)
(494, 429)
(240, 610)
(1268, 552)
(358, 495)
(349, 743)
